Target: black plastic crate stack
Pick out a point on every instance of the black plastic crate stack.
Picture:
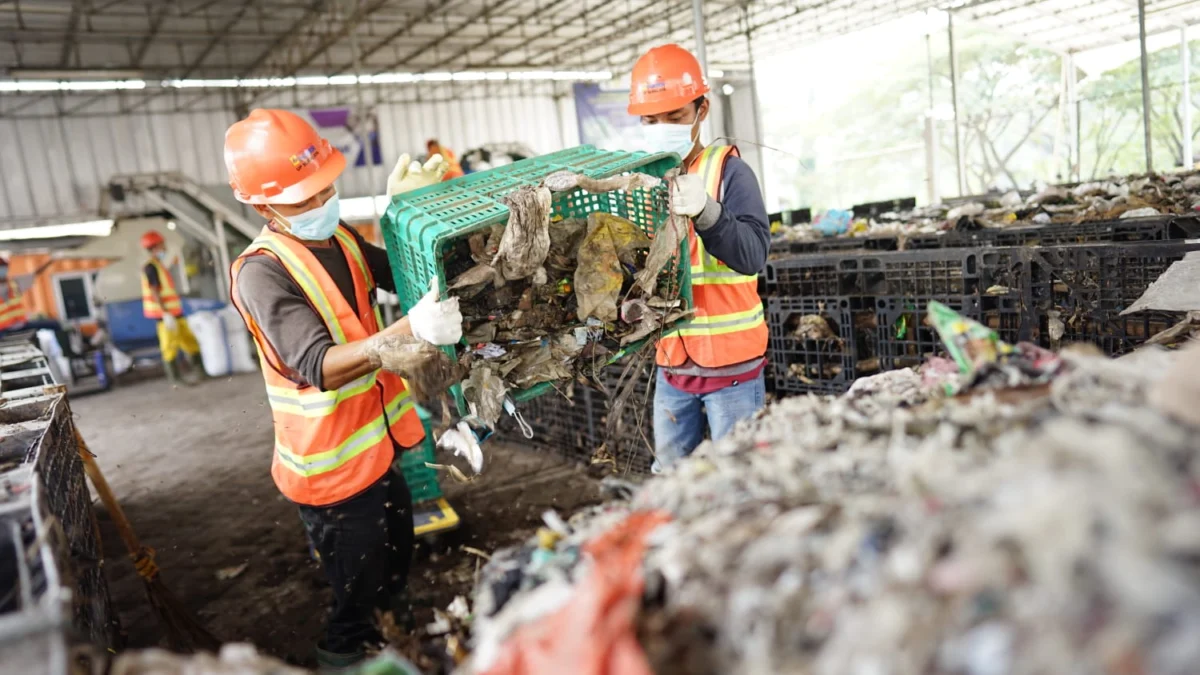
(35, 580)
(562, 423)
(1131, 230)
(1089, 286)
(37, 436)
(802, 363)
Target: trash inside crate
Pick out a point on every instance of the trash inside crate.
(559, 263)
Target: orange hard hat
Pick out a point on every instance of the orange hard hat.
(151, 239)
(665, 78)
(276, 157)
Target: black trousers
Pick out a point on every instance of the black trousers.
(366, 545)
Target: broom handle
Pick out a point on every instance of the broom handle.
(106, 496)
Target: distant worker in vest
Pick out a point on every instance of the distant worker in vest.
(713, 365)
(13, 312)
(161, 303)
(306, 290)
(435, 149)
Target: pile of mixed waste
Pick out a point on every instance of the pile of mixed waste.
(548, 299)
(1048, 527)
(1117, 198)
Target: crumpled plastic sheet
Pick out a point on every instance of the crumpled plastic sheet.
(525, 242)
(427, 370)
(955, 536)
(485, 390)
(610, 241)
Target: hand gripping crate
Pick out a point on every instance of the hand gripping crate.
(421, 228)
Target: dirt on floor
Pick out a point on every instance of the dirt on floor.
(191, 467)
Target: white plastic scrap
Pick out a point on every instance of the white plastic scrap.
(888, 532)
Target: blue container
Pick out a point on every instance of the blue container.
(131, 331)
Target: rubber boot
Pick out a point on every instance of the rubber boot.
(172, 372)
(197, 366)
(187, 372)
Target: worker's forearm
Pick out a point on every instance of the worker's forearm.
(345, 363)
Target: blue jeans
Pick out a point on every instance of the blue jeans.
(679, 416)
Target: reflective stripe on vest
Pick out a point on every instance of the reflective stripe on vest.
(728, 326)
(12, 311)
(166, 291)
(330, 445)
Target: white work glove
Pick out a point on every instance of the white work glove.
(436, 322)
(462, 442)
(409, 175)
(170, 321)
(688, 195)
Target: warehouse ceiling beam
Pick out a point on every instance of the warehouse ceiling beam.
(70, 44)
(311, 13)
(156, 22)
(491, 37)
(441, 6)
(352, 22)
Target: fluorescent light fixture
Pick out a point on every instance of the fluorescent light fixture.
(91, 228)
(171, 225)
(313, 80)
(70, 85)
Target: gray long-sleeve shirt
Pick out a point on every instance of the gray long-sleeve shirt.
(735, 230)
(288, 322)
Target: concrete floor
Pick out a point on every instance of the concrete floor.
(191, 468)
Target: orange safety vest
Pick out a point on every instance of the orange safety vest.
(455, 170)
(330, 445)
(166, 290)
(728, 326)
(12, 310)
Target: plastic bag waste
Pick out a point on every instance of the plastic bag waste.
(461, 440)
(427, 370)
(235, 658)
(526, 239)
(594, 632)
(610, 241)
(486, 391)
(832, 222)
(561, 181)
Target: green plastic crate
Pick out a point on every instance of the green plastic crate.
(418, 226)
(422, 480)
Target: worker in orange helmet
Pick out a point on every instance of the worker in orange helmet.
(713, 365)
(161, 303)
(13, 312)
(434, 148)
(306, 290)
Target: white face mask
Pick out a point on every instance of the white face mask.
(676, 138)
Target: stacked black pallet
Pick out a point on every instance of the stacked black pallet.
(1158, 228)
(1050, 295)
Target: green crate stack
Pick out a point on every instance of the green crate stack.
(419, 227)
(422, 480)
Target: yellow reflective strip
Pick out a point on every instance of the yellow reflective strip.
(352, 245)
(316, 403)
(724, 330)
(323, 462)
(710, 280)
(732, 316)
(309, 285)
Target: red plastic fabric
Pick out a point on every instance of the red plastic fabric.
(593, 634)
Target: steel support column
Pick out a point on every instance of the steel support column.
(1185, 58)
(1149, 147)
(702, 54)
(757, 111)
(959, 162)
(1074, 162)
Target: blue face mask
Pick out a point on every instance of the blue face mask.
(676, 138)
(318, 224)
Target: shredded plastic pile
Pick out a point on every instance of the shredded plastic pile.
(896, 531)
(1128, 197)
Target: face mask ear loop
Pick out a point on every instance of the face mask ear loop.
(280, 221)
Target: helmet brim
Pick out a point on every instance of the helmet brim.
(307, 187)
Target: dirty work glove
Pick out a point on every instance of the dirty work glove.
(434, 321)
(170, 322)
(688, 195)
(409, 175)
